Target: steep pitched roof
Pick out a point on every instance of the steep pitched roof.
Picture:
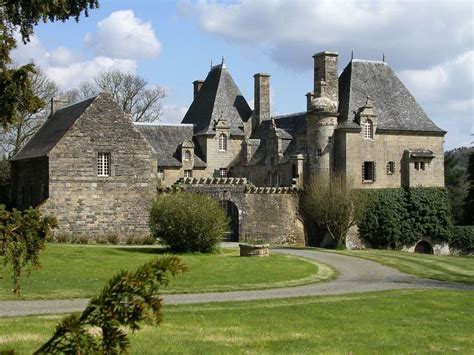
(166, 140)
(288, 126)
(52, 130)
(218, 98)
(395, 107)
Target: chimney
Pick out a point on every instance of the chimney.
(197, 86)
(58, 103)
(326, 81)
(261, 98)
(309, 98)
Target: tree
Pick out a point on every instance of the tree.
(132, 92)
(455, 181)
(27, 123)
(16, 94)
(22, 237)
(188, 222)
(469, 202)
(129, 298)
(332, 205)
(5, 182)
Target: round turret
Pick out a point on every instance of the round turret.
(323, 104)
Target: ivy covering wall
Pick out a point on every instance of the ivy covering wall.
(396, 217)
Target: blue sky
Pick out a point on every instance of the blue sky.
(428, 43)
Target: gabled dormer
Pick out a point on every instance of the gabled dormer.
(367, 119)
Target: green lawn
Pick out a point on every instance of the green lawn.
(393, 322)
(72, 271)
(444, 268)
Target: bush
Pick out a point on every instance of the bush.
(396, 217)
(463, 239)
(383, 222)
(188, 222)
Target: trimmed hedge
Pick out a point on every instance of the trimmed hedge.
(396, 217)
(463, 239)
(188, 222)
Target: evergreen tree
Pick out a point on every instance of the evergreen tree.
(469, 202)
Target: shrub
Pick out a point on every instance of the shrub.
(113, 239)
(396, 217)
(188, 222)
(383, 221)
(463, 239)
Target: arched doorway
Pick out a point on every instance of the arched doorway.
(232, 212)
(423, 247)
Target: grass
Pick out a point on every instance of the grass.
(443, 268)
(75, 271)
(395, 322)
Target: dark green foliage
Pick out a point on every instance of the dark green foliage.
(455, 181)
(5, 182)
(22, 237)
(188, 222)
(463, 239)
(429, 213)
(469, 202)
(395, 217)
(384, 221)
(129, 298)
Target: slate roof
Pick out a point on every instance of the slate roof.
(166, 140)
(287, 126)
(52, 130)
(219, 97)
(395, 107)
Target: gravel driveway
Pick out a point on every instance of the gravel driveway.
(355, 275)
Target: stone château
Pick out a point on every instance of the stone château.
(96, 171)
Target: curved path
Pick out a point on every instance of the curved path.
(355, 275)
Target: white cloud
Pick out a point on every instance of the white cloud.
(122, 35)
(173, 114)
(411, 33)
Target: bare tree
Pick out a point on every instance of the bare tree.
(17, 134)
(333, 205)
(132, 92)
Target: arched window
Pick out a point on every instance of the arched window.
(222, 142)
(187, 155)
(369, 130)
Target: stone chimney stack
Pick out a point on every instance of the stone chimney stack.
(58, 103)
(326, 81)
(261, 99)
(309, 98)
(197, 84)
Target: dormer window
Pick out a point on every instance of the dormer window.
(369, 129)
(187, 155)
(222, 143)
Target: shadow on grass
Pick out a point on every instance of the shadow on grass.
(145, 250)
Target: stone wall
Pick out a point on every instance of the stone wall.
(86, 204)
(352, 150)
(266, 214)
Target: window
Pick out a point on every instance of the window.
(330, 140)
(422, 165)
(103, 164)
(320, 152)
(369, 130)
(368, 171)
(187, 155)
(222, 142)
(417, 165)
(222, 172)
(390, 167)
(160, 174)
(188, 173)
